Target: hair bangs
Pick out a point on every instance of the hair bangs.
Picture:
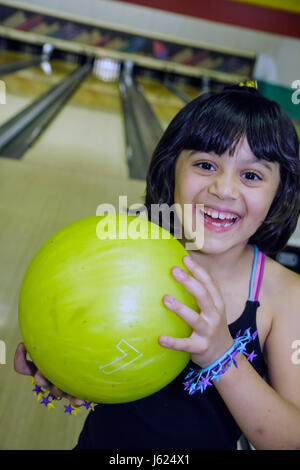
(272, 137)
(216, 126)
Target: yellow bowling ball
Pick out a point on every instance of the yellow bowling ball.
(91, 310)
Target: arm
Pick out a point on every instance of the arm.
(268, 415)
(267, 419)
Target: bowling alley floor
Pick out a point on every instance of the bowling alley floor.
(35, 203)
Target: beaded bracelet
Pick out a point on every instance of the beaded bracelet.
(200, 379)
(47, 398)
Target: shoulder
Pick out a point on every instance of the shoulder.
(282, 288)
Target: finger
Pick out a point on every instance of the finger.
(21, 364)
(202, 275)
(195, 288)
(26, 367)
(183, 344)
(41, 381)
(61, 394)
(58, 392)
(191, 317)
(77, 402)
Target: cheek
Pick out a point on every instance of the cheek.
(186, 188)
(260, 206)
(180, 192)
(177, 193)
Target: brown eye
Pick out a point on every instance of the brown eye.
(252, 176)
(205, 165)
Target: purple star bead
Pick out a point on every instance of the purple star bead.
(45, 401)
(87, 405)
(205, 382)
(68, 409)
(37, 390)
(254, 335)
(51, 396)
(251, 356)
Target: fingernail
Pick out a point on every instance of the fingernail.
(40, 383)
(79, 402)
(169, 299)
(163, 341)
(179, 272)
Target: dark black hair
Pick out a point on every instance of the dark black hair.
(216, 122)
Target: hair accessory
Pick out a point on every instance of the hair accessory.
(47, 399)
(201, 379)
(249, 84)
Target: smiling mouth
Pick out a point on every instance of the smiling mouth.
(219, 219)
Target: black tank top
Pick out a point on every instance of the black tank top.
(171, 419)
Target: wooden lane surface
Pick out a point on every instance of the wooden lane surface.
(163, 102)
(87, 136)
(24, 86)
(37, 201)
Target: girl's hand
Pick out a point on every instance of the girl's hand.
(210, 337)
(23, 366)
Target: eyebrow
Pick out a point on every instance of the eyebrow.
(251, 160)
(261, 162)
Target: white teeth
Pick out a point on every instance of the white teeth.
(218, 215)
(219, 225)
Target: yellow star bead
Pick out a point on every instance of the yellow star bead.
(93, 405)
(50, 405)
(75, 410)
(40, 395)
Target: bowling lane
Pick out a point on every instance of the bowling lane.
(24, 86)
(87, 136)
(163, 102)
(189, 90)
(36, 202)
(10, 56)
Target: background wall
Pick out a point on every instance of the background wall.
(279, 58)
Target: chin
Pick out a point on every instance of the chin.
(218, 247)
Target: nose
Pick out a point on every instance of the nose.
(224, 186)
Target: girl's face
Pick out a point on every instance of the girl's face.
(236, 191)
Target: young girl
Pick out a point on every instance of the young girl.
(236, 153)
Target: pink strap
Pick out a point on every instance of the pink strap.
(259, 274)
